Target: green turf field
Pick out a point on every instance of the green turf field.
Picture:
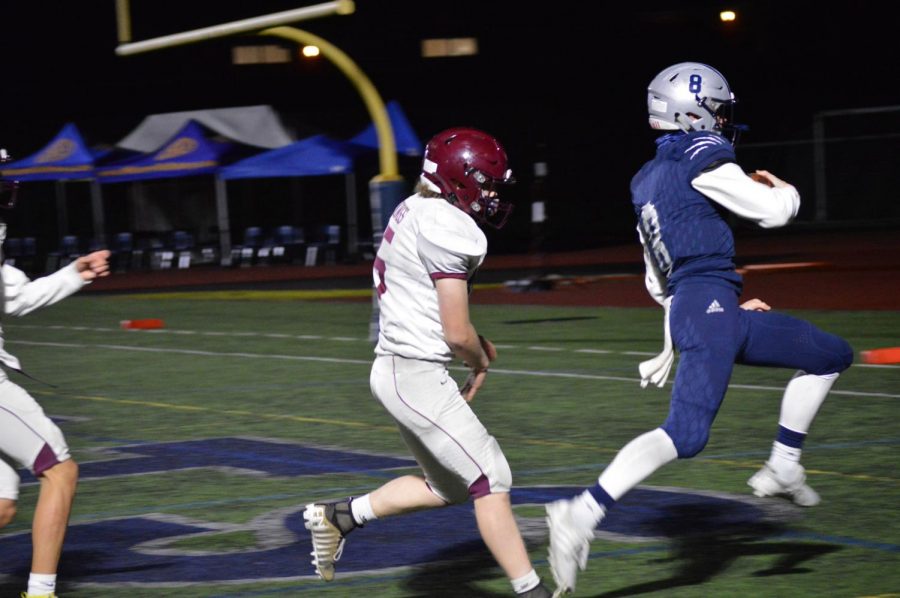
(562, 398)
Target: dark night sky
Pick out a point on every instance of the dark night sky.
(561, 81)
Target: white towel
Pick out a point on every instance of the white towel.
(656, 370)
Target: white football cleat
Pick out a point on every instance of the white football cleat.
(767, 482)
(569, 546)
(327, 540)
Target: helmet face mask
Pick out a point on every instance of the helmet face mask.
(467, 165)
(692, 96)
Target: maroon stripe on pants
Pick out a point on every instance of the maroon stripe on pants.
(480, 487)
(45, 460)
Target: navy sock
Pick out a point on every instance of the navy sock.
(790, 438)
(602, 497)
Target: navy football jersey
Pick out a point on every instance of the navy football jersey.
(682, 228)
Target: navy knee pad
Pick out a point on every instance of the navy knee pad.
(840, 354)
(689, 435)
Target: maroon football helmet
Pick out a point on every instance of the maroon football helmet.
(466, 164)
(8, 187)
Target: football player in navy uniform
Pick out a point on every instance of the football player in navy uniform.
(678, 197)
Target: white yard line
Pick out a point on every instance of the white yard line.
(346, 339)
(314, 358)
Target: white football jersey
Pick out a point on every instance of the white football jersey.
(426, 239)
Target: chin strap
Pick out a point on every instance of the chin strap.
(656, 370)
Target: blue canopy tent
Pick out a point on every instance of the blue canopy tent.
(406, 143)
(313, 156)
(189, 152)
(65, 158)
(405, 138)
(317, 155)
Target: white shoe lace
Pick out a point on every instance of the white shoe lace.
(328, 544)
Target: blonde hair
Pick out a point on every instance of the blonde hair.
(422, 188)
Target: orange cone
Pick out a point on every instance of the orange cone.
(881, 356)
(149, 324)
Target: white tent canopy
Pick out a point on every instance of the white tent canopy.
(259, 126)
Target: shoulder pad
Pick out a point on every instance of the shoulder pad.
(455, 232)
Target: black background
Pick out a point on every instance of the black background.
(561, 82)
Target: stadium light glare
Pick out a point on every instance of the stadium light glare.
(728, 16)
(310, 51)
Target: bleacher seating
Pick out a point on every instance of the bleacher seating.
(135, 251)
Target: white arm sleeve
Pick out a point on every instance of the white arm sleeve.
(23, 296)
(730, 187)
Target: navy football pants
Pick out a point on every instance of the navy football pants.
(712, 333)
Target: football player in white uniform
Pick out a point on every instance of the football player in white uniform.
(28, 437)
(431, 248)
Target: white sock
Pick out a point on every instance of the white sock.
(802, 398)
(785, 453)
(361, 509)
(529, 581)
(784, 459)
(637, 460)
(41, 584)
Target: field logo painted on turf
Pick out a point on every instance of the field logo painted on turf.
(156, 548)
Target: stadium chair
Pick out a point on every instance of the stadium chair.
(287, 244)
(12, 251)
(326, 248)
(123, 252)
(161, 254)
(21, 253)
(183, 244)
(68, 250)
(243, 255)
(28, 258)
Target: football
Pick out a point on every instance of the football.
(760, 179)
